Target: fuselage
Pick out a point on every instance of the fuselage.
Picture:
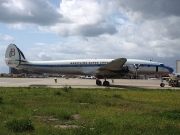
(89, 66)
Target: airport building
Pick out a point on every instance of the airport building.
(20, 71)
(27, 73)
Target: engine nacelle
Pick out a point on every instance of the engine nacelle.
(124, 69)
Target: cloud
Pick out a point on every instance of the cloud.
(29, 12)
(152, 25)
(72, 17)
(86, 18)
(151, 9)
(41, 44)
(7, 38)
(3, 68)
(99, 28)
(44, 56)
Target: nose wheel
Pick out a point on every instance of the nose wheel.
(162, 84)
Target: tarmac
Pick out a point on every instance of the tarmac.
(81, 83)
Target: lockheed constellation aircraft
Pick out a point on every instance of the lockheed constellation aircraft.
(101, 68)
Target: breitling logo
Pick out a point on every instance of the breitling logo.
(12, 52)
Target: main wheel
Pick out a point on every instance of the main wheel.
(98, 82)
(105, 83)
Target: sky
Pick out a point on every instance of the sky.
(90, 29)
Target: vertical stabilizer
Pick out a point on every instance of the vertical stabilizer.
(14, 57)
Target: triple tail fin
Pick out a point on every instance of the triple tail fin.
(14, 57)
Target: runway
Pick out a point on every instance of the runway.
(80, 83)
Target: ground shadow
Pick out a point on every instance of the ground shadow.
(38, 86)
(123, 86)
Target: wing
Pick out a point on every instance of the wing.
(112, 68)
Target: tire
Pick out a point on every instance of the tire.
(99, 83)
(105, 83)
(162, 84)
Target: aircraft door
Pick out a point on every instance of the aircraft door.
(156, 68)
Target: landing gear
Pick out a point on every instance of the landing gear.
(105, 83)
(98, 82)
(162, 84)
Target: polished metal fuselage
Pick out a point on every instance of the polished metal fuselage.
(89, 66)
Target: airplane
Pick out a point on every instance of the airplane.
(100, 68)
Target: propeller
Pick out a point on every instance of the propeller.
(136, 66)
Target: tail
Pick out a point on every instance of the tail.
(14, 57)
